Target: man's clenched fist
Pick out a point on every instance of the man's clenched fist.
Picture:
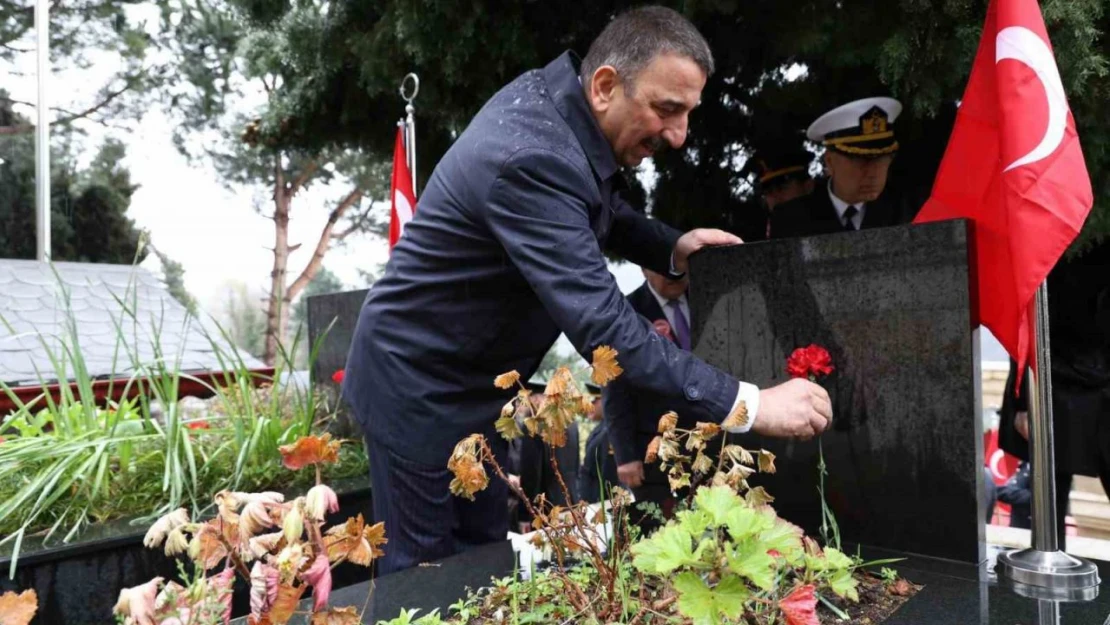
(798, 408)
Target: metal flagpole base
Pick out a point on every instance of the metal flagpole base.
(1048, 575)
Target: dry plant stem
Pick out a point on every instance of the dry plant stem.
(581, 525)
(580, 601)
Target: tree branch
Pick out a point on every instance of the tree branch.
(300, 180)
(15, 130)
(70, 115)
(317, 259)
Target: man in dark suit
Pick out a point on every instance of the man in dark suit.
(632, 414)
(506, 250)
(859, 148)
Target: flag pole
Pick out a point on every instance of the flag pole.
(1043, 571)
(410, 123)
(42, 132)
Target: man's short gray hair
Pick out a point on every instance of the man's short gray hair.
(637, 36)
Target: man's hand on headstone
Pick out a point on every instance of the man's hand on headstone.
(631, 474)
(694, 240)
(798, 408)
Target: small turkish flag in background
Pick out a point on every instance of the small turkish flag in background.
(404, 200)
(1014, 166)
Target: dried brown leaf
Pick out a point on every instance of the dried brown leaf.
(902, 588)
(766, 461)
(286, 603)
(206, 547)
(507, 380)
(309, 450)
(739, 417)
(708, 430)
(559, 383)
(758, 496)
(355, 542)
(668, 422)
(605, 367)
(18, 609)
(653, 450)
(337, 616)
(702, 464)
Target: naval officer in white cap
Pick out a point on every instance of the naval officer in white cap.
(859, 145)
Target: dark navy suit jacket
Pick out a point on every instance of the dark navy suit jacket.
(504, 252)
(814, 214)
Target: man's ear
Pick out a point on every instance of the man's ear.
(603, 87)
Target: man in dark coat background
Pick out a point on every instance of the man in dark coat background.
(1079, 340)
(506, 250)
(632, 414)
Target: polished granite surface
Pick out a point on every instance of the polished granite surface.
(953, 595)
(891, 305)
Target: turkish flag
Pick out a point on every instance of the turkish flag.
(1014, 167)
(404, 200)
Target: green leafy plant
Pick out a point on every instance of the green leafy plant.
(68, 459)
(727, 557)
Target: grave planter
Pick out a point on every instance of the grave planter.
(78, 583)
(952, 592)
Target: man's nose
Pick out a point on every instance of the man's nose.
(675, 135)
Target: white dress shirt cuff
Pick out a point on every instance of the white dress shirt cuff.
(674, 275)
(749, 394)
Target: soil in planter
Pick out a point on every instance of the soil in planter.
(877, 601)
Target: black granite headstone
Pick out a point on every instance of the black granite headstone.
(891, 305)
(333, 317)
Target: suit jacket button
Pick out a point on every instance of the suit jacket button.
(693, 393)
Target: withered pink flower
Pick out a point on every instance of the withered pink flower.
(137, 604)
(264, 588)
(319, 576)
(321, 500)
(221, 584)
(163, 526)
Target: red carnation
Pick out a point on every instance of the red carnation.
(662, 327)
(337, 377)
(200, 424)
(809, 362)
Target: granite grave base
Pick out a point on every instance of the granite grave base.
(953, 592)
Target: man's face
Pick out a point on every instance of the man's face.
(639, 119)
(783, 193)
(669, 289)
(857, 180)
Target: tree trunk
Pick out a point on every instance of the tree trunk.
(322, 244)
(277, 312)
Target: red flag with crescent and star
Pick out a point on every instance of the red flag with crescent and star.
(402, 197)
(1014, 167)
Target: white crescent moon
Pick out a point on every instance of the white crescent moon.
(1023, 45)
(404, 211)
